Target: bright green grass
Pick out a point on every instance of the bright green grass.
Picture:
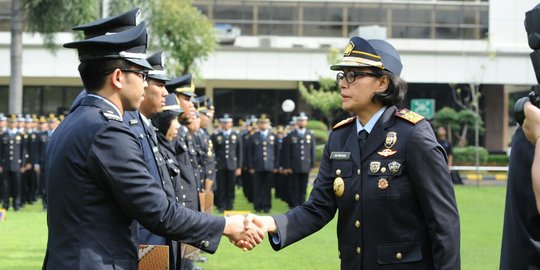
(23, 237)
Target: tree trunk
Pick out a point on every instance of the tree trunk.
(463, 138)
(15, 81)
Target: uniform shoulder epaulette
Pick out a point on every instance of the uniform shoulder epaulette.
(111, 116)
(344, 123)
(409, 115)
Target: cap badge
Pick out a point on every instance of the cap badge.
(349, 48)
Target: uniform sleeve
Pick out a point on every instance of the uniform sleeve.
(433, 186)
(114, 159)
(311, 216)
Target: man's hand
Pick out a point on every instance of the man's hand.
(242, 232)
(266, 223)
(531, 124)
(208, 183)
(238, 172)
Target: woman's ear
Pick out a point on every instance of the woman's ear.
(384, 82)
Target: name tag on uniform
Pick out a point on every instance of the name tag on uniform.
(340, 155)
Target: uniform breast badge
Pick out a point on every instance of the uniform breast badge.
(389, 142)
(394, 166)
(339, 186)
(374, 166)
(383, 183)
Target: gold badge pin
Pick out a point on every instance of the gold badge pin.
(387, 152)
(383, 183)
(374, 166)
(349, 48)
(394, 166)
(391, 139)
(339, 186)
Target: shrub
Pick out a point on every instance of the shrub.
(319, 151)
(497, 160)
(467, 155)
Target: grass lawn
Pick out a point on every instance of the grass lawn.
(23, 237)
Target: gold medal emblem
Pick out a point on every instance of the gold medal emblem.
(387, 152)
(383, 183)
(374, 166)
(391, 139)
(394, 166)
(339, 186)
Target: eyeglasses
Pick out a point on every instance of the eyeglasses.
(142, 73)
(351, 75)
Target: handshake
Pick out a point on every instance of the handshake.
(247, 231)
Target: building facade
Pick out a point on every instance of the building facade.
(444, 45)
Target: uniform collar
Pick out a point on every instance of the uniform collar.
(371, 123)
(107, 102)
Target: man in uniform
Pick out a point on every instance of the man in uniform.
(206, 155)
(228, 148)
(42, 138)
(98, 183)
(298, 159)
(263, 164)
(385, 172)
(12, 158)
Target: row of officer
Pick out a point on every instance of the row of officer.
(96, 169)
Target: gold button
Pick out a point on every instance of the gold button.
(358, 172)
(338, 172)
(357, 224)
(358, 250)
(357, 197)
(383, 169)
(399, 256)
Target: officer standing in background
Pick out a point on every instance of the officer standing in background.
(43, 139)
(206, 155)
(228, 148)
(263, 164)
(12, 158)
(298, 159)
(385, 172)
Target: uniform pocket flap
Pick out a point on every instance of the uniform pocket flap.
(399, 253)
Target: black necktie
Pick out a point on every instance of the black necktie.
(362, 137)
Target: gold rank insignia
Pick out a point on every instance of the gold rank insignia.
(394, 166)
(374, 166)
(409, 116)
(383, 183)
(339, 186)
(387, 152)
(349, 48)
(391, 139)
(344, 123)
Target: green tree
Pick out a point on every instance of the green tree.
(326, 98)
(183, 32)
(448, 118)
(466, 119)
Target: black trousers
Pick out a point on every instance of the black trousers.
(247, 185)
(262, 187)
(225, 185)
(12, 188)
(297, 188)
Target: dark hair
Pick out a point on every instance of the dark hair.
(163, 120)
(93, 72)
(395, 93)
